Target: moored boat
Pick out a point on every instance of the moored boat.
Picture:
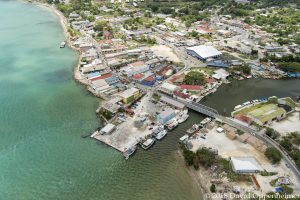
(193, 129)
(62, 44)
(172, 124)
(183, 118)
(128, 152)
(148, 143)
(161, 135)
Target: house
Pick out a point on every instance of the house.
(74, 15)
(107, 129)
(203, 52)
(166, 116)
(191, 88)
(130, 95)
(245, 165)
(168, 88)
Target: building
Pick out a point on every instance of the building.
(107, 129)
(168, 88)
(135, 68)
(203, 52)
(220, 74)
(172, 102)
(218, 63)
(166, 116)
(245, 165)
(191, 88)
(130, 95)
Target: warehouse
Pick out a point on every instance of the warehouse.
(109, 128)
(166, 116)
(203, 52)
(245, 165)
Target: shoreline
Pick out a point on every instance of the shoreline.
(64, 24)
(195, 176)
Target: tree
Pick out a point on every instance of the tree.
(286, 144)
(273, 155)
(272, 133)
(213, 188)
(194, 78)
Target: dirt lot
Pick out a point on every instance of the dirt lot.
(290, 124)
(229, 148)
(164, 51)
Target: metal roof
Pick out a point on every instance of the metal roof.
(205, 51)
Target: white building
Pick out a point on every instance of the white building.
(135, 68)
(245, 165)
(168, 88)
(109, 128)
(203, 52)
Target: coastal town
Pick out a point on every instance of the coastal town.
(151, 66)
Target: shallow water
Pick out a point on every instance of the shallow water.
(43, 115)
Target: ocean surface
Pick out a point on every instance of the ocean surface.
(44, 113)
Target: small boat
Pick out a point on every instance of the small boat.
(205, 121)
(161, 135)
(193, 129)
(148, 143)
(157, 129)
(183, 118)
(172, 125)
(128, 152)
(62, 44)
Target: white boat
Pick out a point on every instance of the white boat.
(62, 44)
(238, 107)
(128, 152)
(161, 135)
(157, 129)
(205, 121)
(148, 143)
(184, 112)
(193, 129)
(183, 118)
(172, 125)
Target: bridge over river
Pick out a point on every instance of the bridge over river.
(213, 113)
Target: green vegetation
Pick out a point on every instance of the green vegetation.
(213, 188)
(266, 173)
(273, 182)
(290, 143)
(194, 78)
(244, 69)
(142, 22)
(272, 133)
(101, 26)
(238, 10)
(292, 67)
(273, 155)
(145, 40)
(206, 158)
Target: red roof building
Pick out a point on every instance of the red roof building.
(211, 80)
(104, 76)
(136, 64)
(138, 76)
(244, 119)
(182, 95)
(191, 87)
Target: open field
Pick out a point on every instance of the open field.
(288, 125)
(166, 52)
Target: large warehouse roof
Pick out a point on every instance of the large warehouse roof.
(245, 164)
(205, 51)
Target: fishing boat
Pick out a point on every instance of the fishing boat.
(62, 44)
(161, 135)
(205, 121)
(193, 129)
(148, 143)
(183, 118)
(157, 129)
(172, 125)
(128, 152)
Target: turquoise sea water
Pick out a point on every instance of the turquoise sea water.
(43, 114)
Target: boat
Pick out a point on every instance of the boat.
(161, 135)
(184, 112)
(172, 125)
(62, 44)
(148, 143)
(157, 129)
(183, 118)
(128, 152)
(205, 121)
(193, 129)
